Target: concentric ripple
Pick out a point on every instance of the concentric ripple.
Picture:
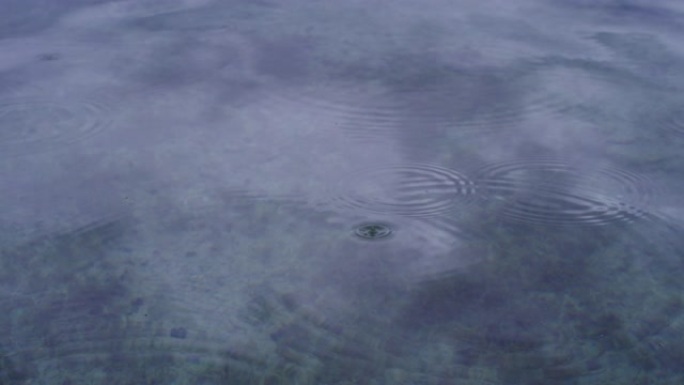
(33, 125)
(554, 192)
(466, 104)
(411, 190)
(480, 102)
(362, 113)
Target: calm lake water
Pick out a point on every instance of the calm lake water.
(345, 192)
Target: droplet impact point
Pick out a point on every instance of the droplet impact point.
(373, 231)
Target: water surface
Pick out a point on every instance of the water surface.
(306, 192)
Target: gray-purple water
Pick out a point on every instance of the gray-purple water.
(310, 192)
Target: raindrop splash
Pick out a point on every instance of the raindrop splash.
(373, 231)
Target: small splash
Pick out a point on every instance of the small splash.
(373, 231)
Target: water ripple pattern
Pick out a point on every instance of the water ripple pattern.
(470, 105)
(478, 102)
(410, 190)
(362, 113)
(34, 125)
(554, 192)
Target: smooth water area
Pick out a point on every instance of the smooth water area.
(341, 192)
